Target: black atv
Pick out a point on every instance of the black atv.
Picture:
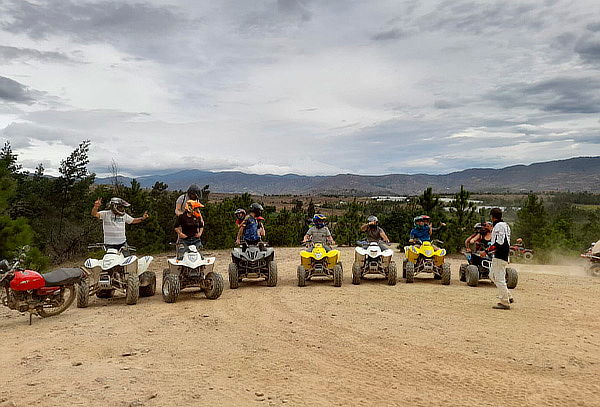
(254, 262)
(478, 268)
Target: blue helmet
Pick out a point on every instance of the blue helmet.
(319, 220)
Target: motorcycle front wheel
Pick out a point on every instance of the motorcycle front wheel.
(51, 308)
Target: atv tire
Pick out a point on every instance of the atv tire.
(472, 276)
(105, 294)
(216, 287)
(404, 268)
(446, 274)
(170, 288)
(338, 275)
(83, 293)
(301, 276)
(462, 272)
(272, 277)
(392, 275)
(150, 289)
(132, 292)
(356, 273)
(595, 270)
(409, 272)
(512, 277)
(528, 256)
(234, 279)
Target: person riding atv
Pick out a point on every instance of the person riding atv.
(375, 233)
(193, 193)
(423, 229)
(189, 227)
(319, 233)
(480, 241)
(251, 229)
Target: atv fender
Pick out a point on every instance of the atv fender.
(143, 264)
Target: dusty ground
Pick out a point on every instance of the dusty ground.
(418, 344)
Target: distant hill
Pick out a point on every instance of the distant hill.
(574, 174)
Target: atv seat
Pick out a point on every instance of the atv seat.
(65, 276)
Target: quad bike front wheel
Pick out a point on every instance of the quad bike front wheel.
(356, 273)
(272, 276)
(446, 274)
(150, 289)
(338, 275)
(215, 289)
(170, 287)
(595, 270)
(234, 280)
(472, 276)
(83, 293)
(67, 296)
(462, 272)
(528, 256)
(132, 292)
(392, 276)
(301, 276)
(512, 277)
(409, 272)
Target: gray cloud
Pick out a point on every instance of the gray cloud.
(560, 95)
(11, 54)
(13, 91)
(393, 34)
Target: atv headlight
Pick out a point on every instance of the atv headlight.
(106, 263)
(318, 255)
(428, 252)
(193, 256)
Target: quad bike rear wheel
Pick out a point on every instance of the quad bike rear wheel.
(338, 275)
(446, 274)
(216, 286)
(301, 276)
(409, 271)
(104, 294)
(68, 295)
(132, 292)
(528, 256)
(83, 293)
(472, 276)
(462, 272)
(595, 269)
(234, 280)
(512, 277)
(170, 287)
(150, 289)
(272, 277)
(404, 268)
(356, 273)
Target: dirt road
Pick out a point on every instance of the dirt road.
(418, 344)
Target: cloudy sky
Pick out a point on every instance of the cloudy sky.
(303, 86)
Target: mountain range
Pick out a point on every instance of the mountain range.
(574, 174)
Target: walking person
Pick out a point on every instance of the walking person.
(500, 247)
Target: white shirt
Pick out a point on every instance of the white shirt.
(114, 227)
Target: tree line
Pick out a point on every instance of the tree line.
(52, 215)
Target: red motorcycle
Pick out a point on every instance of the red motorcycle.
(45, 295)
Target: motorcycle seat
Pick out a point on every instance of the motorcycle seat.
(64, 276)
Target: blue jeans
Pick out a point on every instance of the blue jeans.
(183, 244)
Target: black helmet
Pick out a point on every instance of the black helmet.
(256, 208)
(194, 190)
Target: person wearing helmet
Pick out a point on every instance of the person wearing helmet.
(319, 232)
(240, 215)
(189, 227)
(375, 233)
(472, 240)
(423, 229)
(193, 193)
(251, 230)
(519, 242)
(114, 220)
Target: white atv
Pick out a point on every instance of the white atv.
(370, 259)
(117, 270)
(192, 270)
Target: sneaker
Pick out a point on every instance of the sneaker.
(511, 300)
(501, 306)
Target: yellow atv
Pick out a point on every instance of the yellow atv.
(320, 263)
(424, 257)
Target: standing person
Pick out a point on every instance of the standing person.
(374, 232)
(240, 215)
(250, 229)
(193, 193)
(114, 220)
(500, 247)
(319, 232)
(189, 227)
